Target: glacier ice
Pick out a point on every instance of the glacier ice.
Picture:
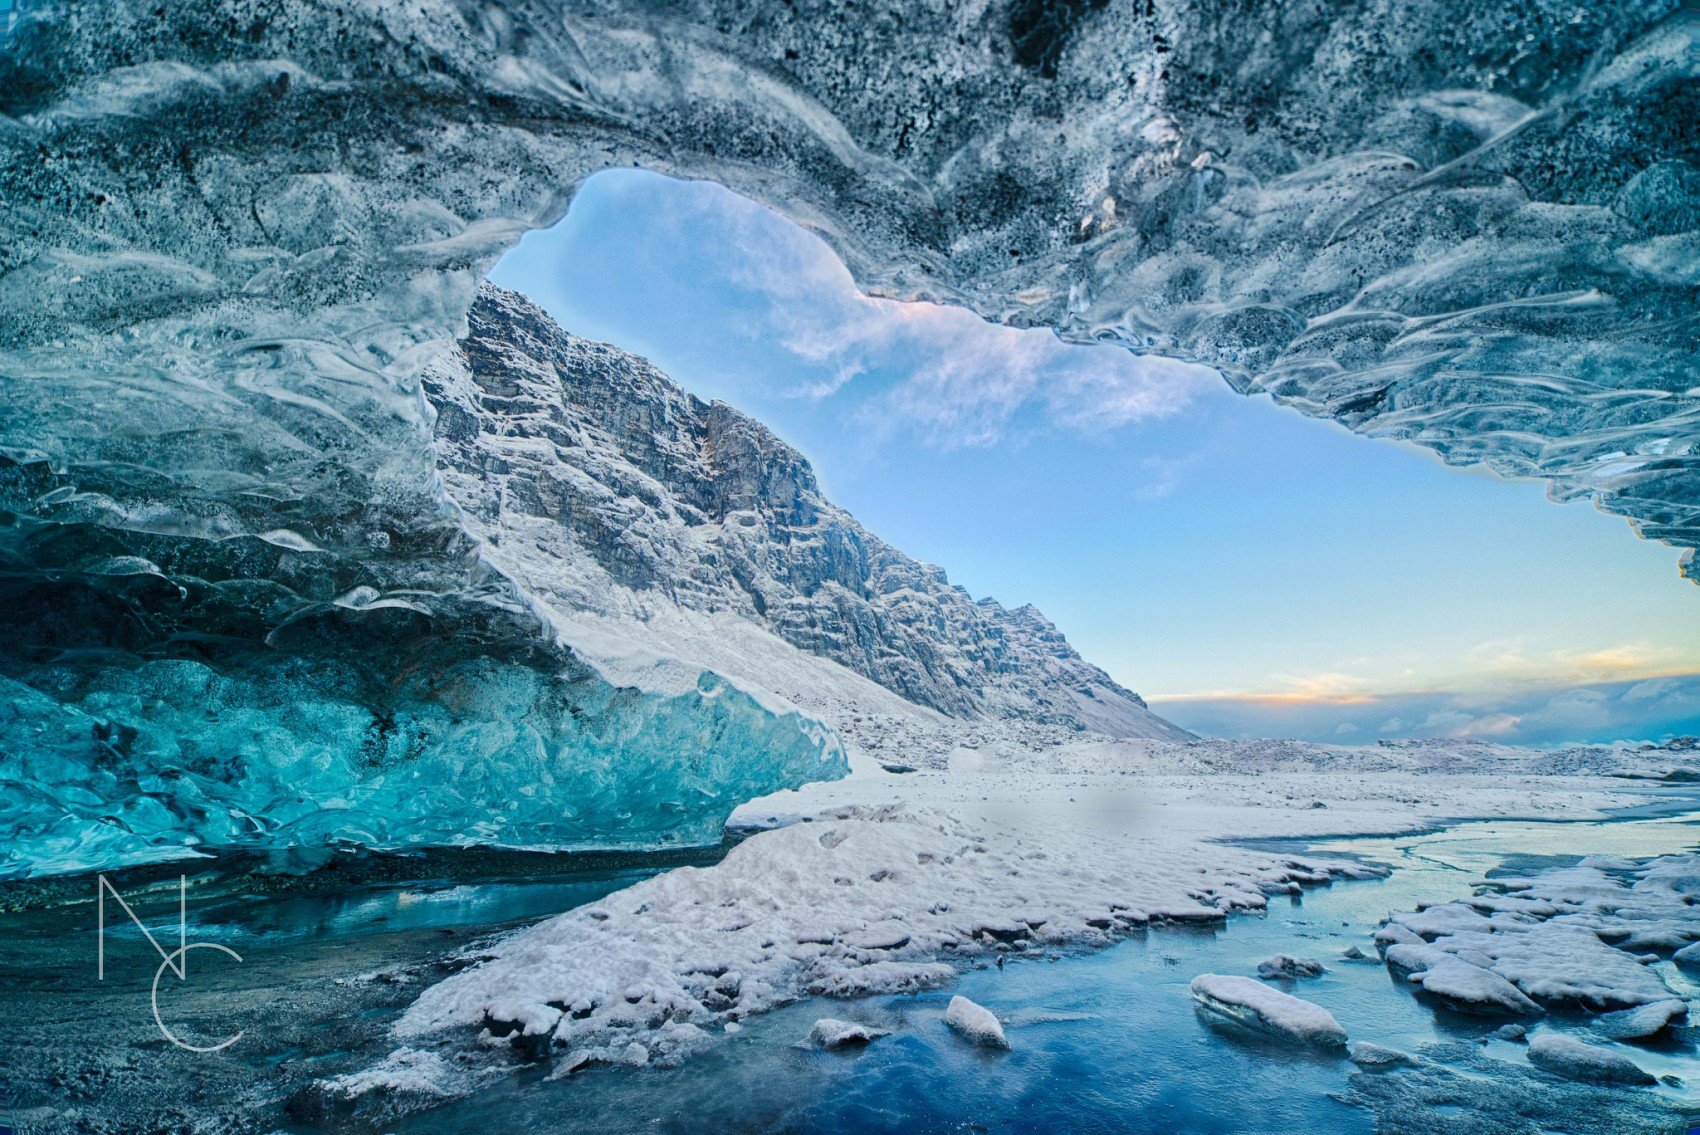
(235, 232)
(1471, 225)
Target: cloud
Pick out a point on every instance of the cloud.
(1594, 712)
(941, 373)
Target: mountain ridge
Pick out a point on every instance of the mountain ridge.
(616, 493)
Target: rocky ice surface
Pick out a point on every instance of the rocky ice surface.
(1567, 1056)
(630, 505)
(240, 230)
(1576, 938)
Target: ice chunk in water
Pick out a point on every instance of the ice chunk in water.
(975, 1023)
(1251, 1004)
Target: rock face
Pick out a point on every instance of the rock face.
(629, 496)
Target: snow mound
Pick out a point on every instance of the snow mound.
(1246, 1002)
(1639, 1024)
(975, 1023)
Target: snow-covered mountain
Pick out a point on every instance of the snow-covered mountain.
(632, 507)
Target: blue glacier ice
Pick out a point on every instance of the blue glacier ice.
(234, 232)
(121, 760)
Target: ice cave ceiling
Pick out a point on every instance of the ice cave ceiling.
(236, 229)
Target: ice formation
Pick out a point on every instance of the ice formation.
(1566, 1056)
(1247, 1003)
(975, 1023)
(1474, 226)
(1576, 937)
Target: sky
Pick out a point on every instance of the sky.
(1250, 571)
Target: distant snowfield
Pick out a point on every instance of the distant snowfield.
(884, 883)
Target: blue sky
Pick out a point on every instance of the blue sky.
(1251, 571)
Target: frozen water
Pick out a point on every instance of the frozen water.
(1248, 1003)
(975, 1023)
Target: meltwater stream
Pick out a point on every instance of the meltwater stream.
(1102, 1041)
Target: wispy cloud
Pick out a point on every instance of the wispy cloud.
(938, 374)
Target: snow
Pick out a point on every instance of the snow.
(975, 1023)
(1566, 1056)
(1574, 937)
(883, 883)
(1248, 1002)
(1639, 1024)
(831, 1033)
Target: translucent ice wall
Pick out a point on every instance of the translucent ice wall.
(234, 230)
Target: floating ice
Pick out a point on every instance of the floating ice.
(1574, 937)
(831, 1033)
(1248, 1003)
(975, 1023)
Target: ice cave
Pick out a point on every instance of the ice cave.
(314, 541)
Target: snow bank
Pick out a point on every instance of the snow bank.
(1639, 1024)
(882, 884)
(1249, 1003)
(863, 901)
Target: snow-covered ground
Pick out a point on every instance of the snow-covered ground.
(885, 883)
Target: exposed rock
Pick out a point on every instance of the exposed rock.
(1291, 968)
(831, 1034)
(1244, 1002)
(611, 491)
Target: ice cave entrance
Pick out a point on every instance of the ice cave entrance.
(1137, 501)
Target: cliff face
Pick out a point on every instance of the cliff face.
(617, 494)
